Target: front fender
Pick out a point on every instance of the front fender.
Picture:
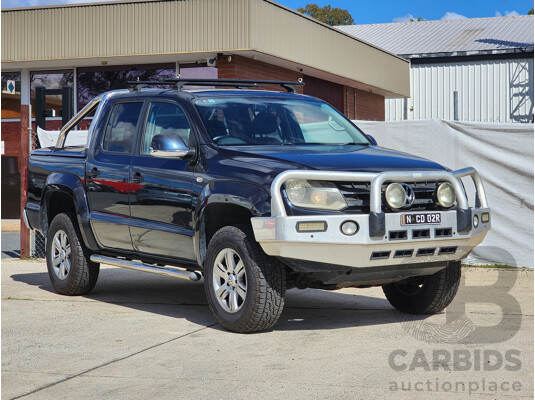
(73, 186)
(252, 197)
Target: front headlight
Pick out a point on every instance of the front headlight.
(312, 194)
(446, 195)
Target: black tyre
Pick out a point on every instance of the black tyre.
(425, 294)
(69, 267)
(245, 287)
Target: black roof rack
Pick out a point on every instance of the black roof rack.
(237, 83)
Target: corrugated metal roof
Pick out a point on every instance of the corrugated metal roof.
(448, 36)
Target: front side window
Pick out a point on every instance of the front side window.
(271, 121)
(165, 119)
(121, 128)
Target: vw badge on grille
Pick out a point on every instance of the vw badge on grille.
(409, 196)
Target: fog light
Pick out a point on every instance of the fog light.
(446, 195)
(476, 221)
(312, 226)
(485, 217)
(349, 228)
(395, 195)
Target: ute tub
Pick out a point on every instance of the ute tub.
(382, 239)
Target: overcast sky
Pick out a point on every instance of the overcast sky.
(379, 11)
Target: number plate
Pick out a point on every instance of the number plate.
(420, 219)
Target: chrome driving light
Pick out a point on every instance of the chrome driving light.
(349, 228)
(316, 195)
(446, 195)
(476, 221)
(395, 195)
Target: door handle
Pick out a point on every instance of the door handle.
(137, 178)
(94, 173)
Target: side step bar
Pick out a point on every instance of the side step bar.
(138, 266)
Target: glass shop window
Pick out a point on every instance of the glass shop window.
(10, 95)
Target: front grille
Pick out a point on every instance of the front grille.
(403, 253)
(380, 255)
(447, 250)
(425, 252)
(442, 232)
(421, 234)
(357, 196)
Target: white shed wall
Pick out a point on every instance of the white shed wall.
(488, 91)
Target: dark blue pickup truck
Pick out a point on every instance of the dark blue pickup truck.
(257, 192)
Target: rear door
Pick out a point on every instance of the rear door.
(161, 188)
(107, 174)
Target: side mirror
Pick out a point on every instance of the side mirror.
(168, 146)
(372, 139)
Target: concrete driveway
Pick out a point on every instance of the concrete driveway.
(140, 336)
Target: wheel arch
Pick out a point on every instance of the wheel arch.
(66, 193)
(226, 203)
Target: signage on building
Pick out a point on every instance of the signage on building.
(10, 87)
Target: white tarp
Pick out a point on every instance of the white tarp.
(502, 153)
(50, 138)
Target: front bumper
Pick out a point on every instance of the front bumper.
(381, 240)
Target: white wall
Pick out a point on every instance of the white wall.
(502, 153)
(488, 91)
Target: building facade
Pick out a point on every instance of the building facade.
(477, 69)
(98, 47)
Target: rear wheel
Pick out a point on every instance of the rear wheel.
(69, 267)
(245, 287)
(425, 294)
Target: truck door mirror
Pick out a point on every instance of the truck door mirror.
(168, 146)
(372, 139)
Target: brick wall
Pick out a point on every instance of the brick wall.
(370, 106)
(247, 68)
(11, 138)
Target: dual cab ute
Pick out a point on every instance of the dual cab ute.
(257, 192)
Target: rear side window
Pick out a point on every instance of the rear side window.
(121, 130)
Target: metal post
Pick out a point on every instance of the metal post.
(66, 104)
(75, 89)
(347, 102)
(355, 103)
(455, 105)
(40, 107)
(25, 125)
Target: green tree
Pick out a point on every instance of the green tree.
(328, 15)
(530, 12)
(418, 19)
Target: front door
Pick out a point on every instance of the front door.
(161, 191)
(108, 167)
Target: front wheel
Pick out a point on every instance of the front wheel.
(425, 294)
(245, 287)
(69, 267)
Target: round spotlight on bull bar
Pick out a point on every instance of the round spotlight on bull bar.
(476, 221)
(349, 228)
(395, 195)
(446, 195)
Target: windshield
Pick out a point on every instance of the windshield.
(235, 121)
